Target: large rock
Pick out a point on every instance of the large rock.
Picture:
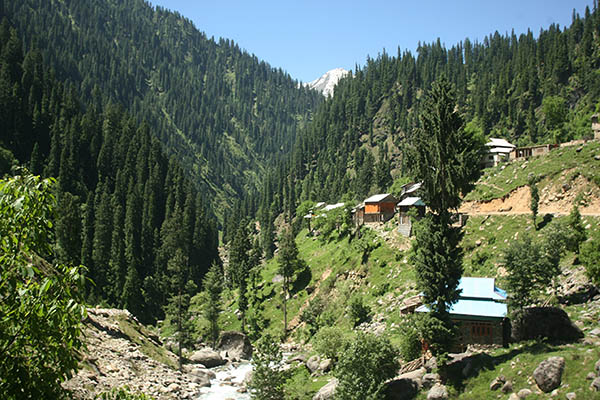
(313, 363)
(548, 374)
(546, 322)
(236, 344)
(207, 357)
(327, 391)
(430, 379)
(595, 385)
(401, 389)
(437, 392)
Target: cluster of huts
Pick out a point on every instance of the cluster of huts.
(500, 150)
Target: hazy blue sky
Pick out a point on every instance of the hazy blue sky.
(306, 38)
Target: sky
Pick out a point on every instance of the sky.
(307, 38)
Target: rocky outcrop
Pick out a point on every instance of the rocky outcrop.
(122, 352)
(326, 392)
(401, 389)
(235, 344)
(437, 392)
(547, 322)
(548, 374)
(207, 357)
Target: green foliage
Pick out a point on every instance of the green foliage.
(535, 199)
(358, 310)
(529, 269)
(213, 287)
(311, 315)
(590, 257)
(331, 342)
(555, 111)
(268, 376)
(365, 243)
(410, 338)
(289, 264)
(41, 303)
(363, 368)
(443, 155)
(122, 393)
(576, 230)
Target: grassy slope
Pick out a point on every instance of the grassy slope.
(336, 273)
(499, 181)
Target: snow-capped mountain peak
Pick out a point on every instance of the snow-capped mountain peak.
(327, 82)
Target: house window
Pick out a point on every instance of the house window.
(481, 329)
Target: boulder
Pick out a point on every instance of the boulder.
(327, 391)
(401, 389)
(595, 332)
(548, 374)
(571, 396)
(547, 322)
(313, 363)
(497, 383)
(595, 384)
(523, 393)
(236, 344)
(597, 367)
(207, 357)
(325, 365)
(430, 379)
(437, 392)
(507, 387)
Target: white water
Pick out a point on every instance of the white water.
(227, 383)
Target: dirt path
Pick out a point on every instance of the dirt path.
(555, 198)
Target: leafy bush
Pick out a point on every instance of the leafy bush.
(331, 342)
(364, 366)
(122, 393)
(269, 376)
(410, 340)
(590, 257)
(41, 305)
(312, 313)
(359, 312)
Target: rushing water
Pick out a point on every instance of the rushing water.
(227, 383)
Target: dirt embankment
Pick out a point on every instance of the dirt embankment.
(555, 198)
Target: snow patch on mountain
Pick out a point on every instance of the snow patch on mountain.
(327, 82)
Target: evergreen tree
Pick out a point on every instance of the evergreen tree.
(577, 233)
(289, 263)
(535, 200)
(446, 159)
(213, 286)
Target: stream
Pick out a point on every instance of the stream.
(227, 383)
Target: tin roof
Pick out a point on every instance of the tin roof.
(332, 206)
(479, 298)
(412, 201)
(496, 142)
(376, 198)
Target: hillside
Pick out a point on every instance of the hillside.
(222, 112)
(341, 276)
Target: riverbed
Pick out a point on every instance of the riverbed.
(227, 382)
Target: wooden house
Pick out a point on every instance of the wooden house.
(380, 208)
(405, 213)
(498, 151)
(480, 313)
(520, 153)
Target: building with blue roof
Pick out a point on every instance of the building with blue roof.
(480, 312)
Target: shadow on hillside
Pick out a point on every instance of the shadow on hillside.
(302, 280)
(458, 371)
(545, 221)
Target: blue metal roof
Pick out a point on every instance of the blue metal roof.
(474, 308)
(480, 288)
(479, 298)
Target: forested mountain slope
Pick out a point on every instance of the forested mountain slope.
(521, 88)
(126, 211)
(224, 113)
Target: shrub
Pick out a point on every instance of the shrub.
(590, 257)
(122, 393)
(364, 366)
(331, 342)
(410, 340)
(359, 312)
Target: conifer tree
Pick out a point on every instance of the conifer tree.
(445, 158)
(289, 263)
(213, 286)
